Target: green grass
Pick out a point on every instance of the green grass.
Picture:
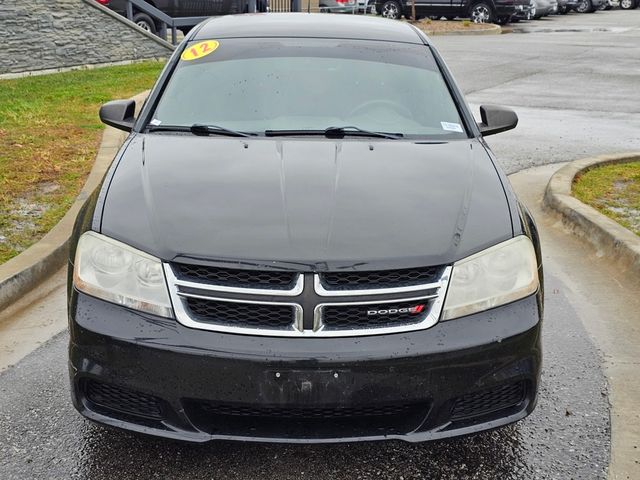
(49, 136)
(614, 190)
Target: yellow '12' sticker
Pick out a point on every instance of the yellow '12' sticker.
(199, 50)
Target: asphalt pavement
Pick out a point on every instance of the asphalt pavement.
(576, 94)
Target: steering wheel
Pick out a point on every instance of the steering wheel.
(388, 104)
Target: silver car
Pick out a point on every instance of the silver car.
(338, 6)
(541, 8)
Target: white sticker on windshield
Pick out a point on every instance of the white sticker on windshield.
(451, 127)
(155, 122)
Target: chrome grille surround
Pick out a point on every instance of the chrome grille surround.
(432, 294)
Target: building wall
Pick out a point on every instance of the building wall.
(51, 34)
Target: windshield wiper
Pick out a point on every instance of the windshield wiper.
(340, 132)
(199, 129)
(334, 132)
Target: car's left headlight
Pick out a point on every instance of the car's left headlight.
(498, 275)
(115, 272)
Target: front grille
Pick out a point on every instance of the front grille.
(314, 412)
(488, 401)
(292, 304)
(380, 279)
(229, 277)
(241, 314)
(122, 400)
(385, 314)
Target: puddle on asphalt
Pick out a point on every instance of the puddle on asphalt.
(518, 29)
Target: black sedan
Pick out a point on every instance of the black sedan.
(479, 11)
(305, 238)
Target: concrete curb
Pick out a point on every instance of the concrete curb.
(607, 236)
(89, 66)
(26, 271)
(494, 30)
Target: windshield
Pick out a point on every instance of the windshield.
(258, 85)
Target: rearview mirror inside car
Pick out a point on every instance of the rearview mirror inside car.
(119, 114)
(496, 119)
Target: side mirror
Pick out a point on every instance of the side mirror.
(119, 114)
(496, 119)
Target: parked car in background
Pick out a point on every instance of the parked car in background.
(588, 6)
(479, 11)
(540, 8)
(338, 6)
(523, 9)
(565, 6)
(182, 8)
(367, 6)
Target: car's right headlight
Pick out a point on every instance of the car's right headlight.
(498, 275)
(115, 272)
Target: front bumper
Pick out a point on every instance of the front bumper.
(338, 8)
(155, 376)
(522, 11)
(505, 10)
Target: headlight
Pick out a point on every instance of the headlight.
(498, 275)
(118, 273)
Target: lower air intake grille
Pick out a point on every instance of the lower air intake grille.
(316, 412)
(488, 401)
(311, 422)
(241, 314)
(122, 400)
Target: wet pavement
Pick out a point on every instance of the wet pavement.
(576, 94)
(567, 436)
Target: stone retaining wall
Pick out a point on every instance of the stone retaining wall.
(51, 34)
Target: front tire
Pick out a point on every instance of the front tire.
(584, 6)
(481, 13)
(391, 9)
(145, 22)
(627, 4)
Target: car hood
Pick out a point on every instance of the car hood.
(311, 204)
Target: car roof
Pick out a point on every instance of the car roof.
(307, 25)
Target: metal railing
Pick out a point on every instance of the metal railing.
(174, 23)
(165, 20)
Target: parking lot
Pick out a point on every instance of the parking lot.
(573, 82)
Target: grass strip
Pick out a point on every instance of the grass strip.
(613, 190)
(49, 135)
